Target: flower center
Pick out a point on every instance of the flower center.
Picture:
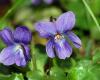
(18, 47)
(58, 37)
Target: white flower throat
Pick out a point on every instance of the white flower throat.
(19, 49)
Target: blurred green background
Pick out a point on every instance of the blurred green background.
(84, 64)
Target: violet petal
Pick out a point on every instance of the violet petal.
(63, 49)
(20, 59)
(65, 22)
(46, 29)
(13, 54)
(76, 41)
(7, 55)
(50, 49)
(26, 52)
(7, 36)
(36, 2)
(48, 1)
(23, 35)
(21, 56)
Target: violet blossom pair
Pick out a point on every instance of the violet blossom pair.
(17, 50)
(56, 32)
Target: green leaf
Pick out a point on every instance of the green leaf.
(4, 24)
(89, 45)
(18, 77)
(11, 77)
(36, 75)
(95, 6)
(39, 54)
(57, 73)
(84, 70)
(92, 14)
(96, 57)
(40, 61)
(95, 33)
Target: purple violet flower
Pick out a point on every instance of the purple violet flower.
(17, 50)
(56, 31)
(48, 1)
(37, 2)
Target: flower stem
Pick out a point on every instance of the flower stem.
(54, 62)
(33, 60)
(33, 65)
(91, 13)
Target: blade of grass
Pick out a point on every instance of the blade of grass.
(91, 13)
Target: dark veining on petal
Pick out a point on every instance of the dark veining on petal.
(24, 53)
